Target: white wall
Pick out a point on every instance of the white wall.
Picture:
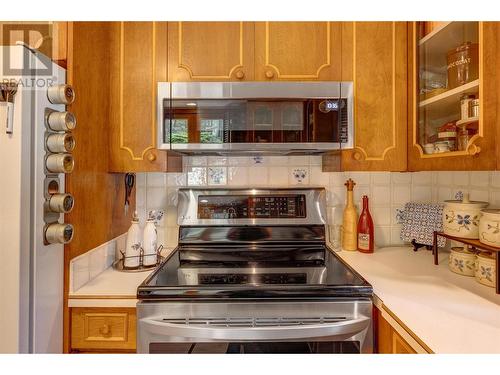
(387, 191)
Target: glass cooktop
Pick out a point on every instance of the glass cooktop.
(284, 271)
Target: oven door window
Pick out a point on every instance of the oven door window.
(287, 347)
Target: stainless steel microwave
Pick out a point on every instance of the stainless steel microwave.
(255, 117)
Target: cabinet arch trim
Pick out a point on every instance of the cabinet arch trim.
(300, 76)
(382, 156)
(192, 75)
(153, 67)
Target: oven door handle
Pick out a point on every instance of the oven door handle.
(340, 330)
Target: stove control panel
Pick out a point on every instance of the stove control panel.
(251, 207)
(256, 278)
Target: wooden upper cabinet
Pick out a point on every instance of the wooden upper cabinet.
(138, 61)
(298, 51)
(374, 57)
(431, 110)
(211, 51)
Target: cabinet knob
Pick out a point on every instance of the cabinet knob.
(152, 157)
(269, 74)
(104, 330)
(240, 74)
(357, 156)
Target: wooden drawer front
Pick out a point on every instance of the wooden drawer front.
(96, 328)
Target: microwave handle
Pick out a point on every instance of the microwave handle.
(341, 330)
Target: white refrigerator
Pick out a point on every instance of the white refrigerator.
(32, 200)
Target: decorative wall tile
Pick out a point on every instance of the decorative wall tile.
(176, 179)
(298, 175)
(217, 175)
(197, 176)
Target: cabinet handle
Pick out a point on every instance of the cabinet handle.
(240, 74)
(269, 74)
(357, 156)
(104, 330)
(151, 157)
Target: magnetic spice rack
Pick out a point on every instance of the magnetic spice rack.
(475, 244)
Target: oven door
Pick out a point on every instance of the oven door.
(263, 327)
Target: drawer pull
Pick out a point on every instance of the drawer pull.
(105, 330)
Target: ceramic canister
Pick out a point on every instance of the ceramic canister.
(462, 261)
(489, 227)
(485, 272)
(461, 218)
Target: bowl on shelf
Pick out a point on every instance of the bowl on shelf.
(462, 261)
(489, 227)
(461, 217)
(428, 148)
(485, 272)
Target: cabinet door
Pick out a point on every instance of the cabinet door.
(388, 340)
(431, 110)
(297, 51)
(138, 61)
(210, 51)
(374, 56)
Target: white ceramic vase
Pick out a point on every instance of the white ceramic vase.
(150, 243)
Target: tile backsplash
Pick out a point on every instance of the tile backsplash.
(387, 191)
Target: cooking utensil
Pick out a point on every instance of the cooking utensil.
(129, 185)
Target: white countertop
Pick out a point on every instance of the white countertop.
(111, 288)
(448, 312)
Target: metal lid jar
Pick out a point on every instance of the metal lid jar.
(461, 217)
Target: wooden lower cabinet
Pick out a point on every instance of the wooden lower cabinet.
(388, 340)
(103, 330)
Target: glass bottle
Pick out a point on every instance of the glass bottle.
(365, 229)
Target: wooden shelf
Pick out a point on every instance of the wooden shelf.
(474, 243)
(467, 121)
(448, 103)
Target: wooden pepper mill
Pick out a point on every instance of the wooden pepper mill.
(350, 220)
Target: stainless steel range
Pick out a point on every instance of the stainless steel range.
(252, 274)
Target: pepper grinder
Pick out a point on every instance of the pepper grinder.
(350, 220)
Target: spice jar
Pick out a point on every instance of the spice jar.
(462, 139)
(474, 108)
(465, 106)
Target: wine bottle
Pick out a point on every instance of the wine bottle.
(350, 220)
(365, 229)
